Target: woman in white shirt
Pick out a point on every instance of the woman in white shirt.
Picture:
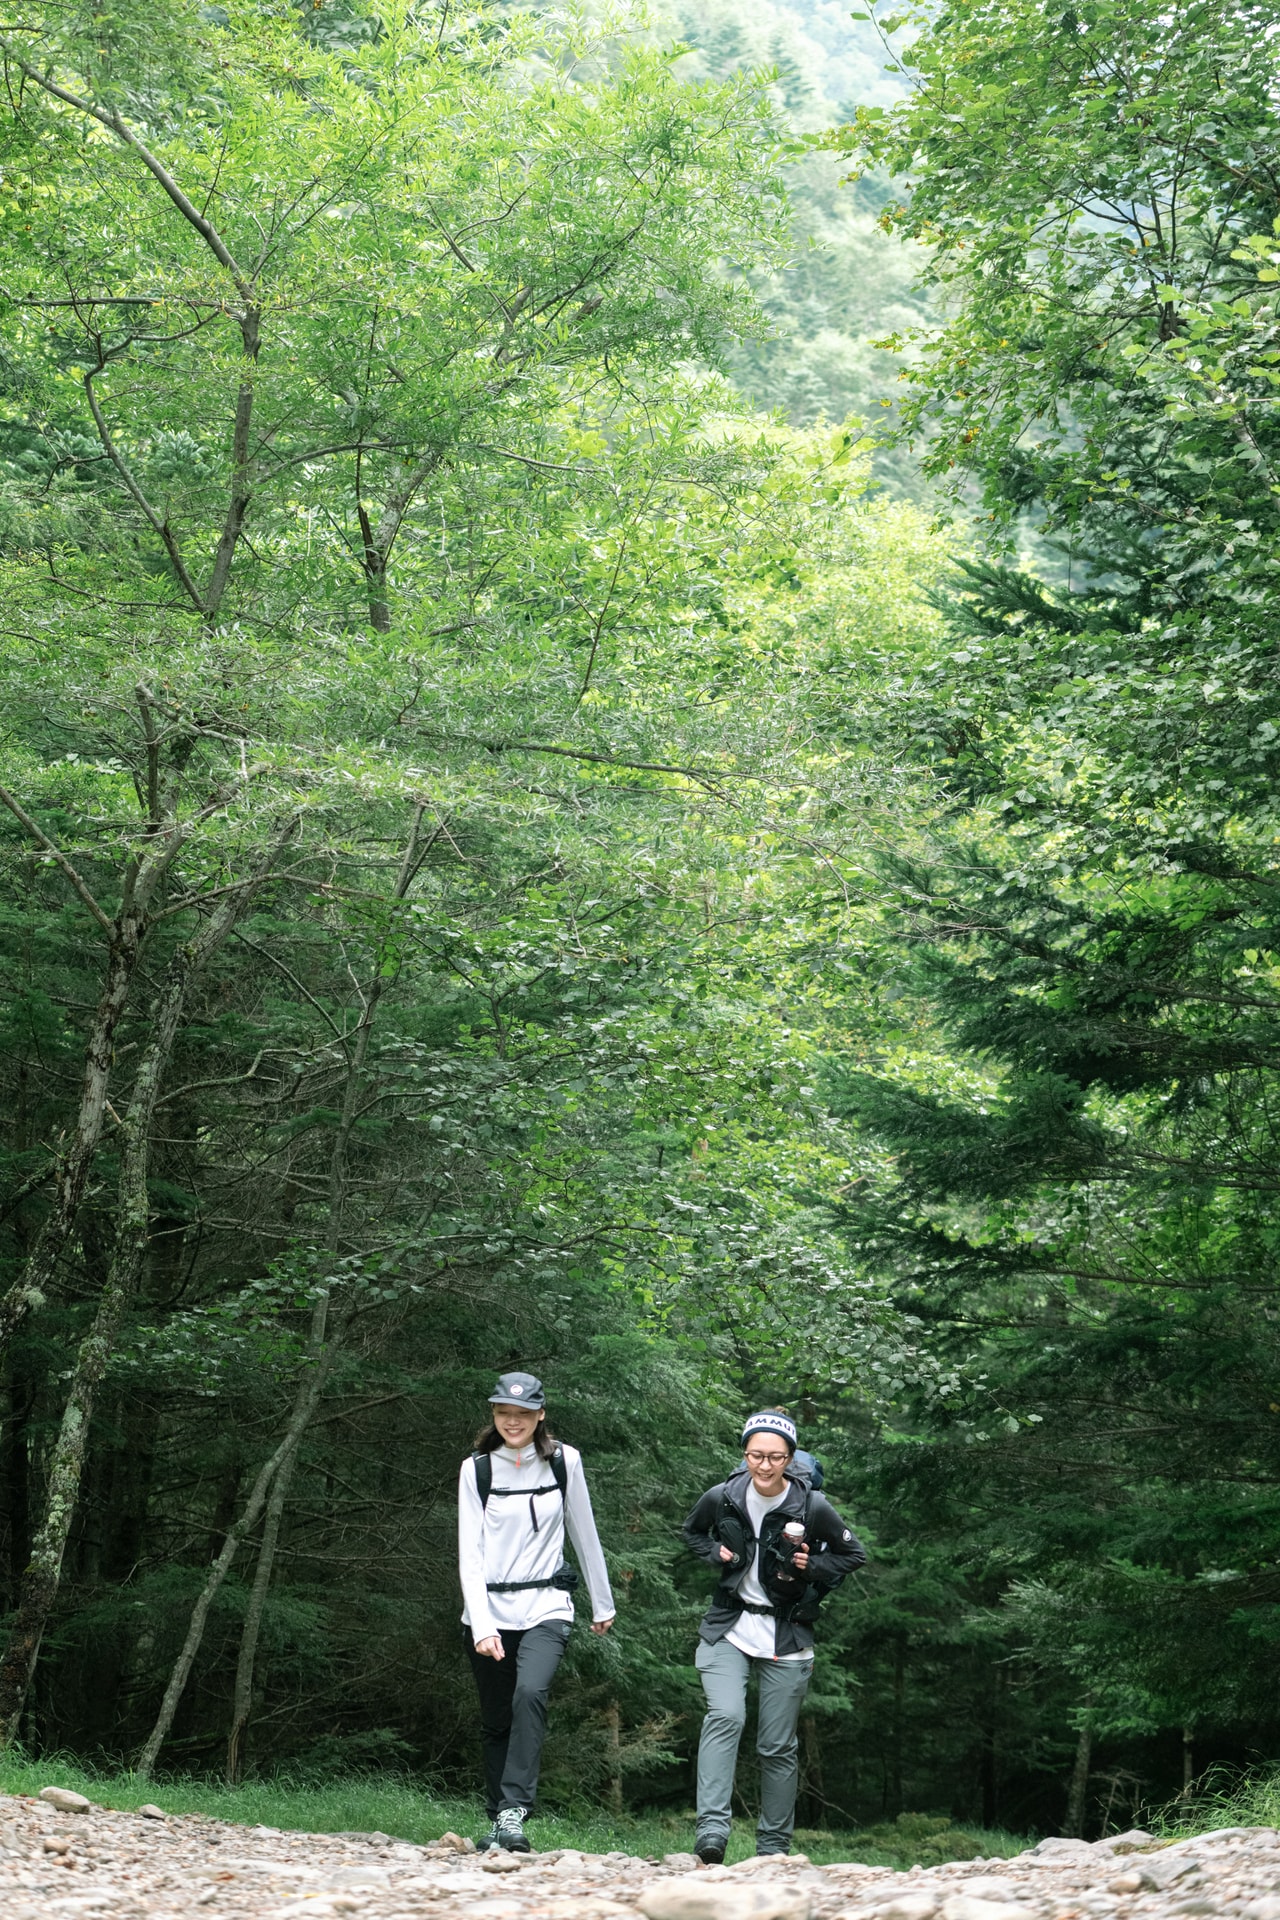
(517, 1494)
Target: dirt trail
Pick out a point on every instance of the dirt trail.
(57, 1860)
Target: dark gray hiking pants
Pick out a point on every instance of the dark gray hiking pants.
(513, 1710)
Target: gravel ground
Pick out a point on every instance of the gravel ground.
(57, 1859)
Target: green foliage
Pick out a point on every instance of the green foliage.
(1069, 1164)
(369, 496)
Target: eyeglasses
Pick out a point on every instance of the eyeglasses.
(765, 1459)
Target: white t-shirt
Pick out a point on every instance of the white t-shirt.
(755, 1634)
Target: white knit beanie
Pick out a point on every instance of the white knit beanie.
(771, 1422)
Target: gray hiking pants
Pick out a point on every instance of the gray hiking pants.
(783, 1685)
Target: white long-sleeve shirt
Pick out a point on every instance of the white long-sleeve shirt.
(499, 1542)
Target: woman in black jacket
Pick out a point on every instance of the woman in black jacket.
(779, 1548)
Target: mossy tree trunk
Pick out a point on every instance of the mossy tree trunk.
(43, 1573)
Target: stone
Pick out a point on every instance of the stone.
(967, 1906)
(56, 1843)
(65, 1800)
(1268, 1908)
(1160, 1871)
(1127, 1842)
(696, 1897)
(499, 1861)
(1154, 1872)
(152, 1812)
(1266, 1834)
(1058, 1848)
(582, 1906)
(449, 1843)
(988, 1886)
(909, 1906)
(466, 1879)
(685, 1861)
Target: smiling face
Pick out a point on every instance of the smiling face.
(767, 1455)
(517, 1425)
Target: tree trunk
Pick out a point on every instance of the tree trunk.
(242, 1701)
(898, 1730)
(125, 937)
(1188, 1765)
(1073, 1825)
(613, 1738)
(990, 1756)
(72, 1173)
(306, 1400)
(815, 1786)
(17, 1477)
(133, 1217)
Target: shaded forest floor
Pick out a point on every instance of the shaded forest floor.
(393, 1804)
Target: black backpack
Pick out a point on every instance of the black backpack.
(485, 1487)
(565, 1578)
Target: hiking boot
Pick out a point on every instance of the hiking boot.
(710, 1852)
(491, 1840)
(509, 1827)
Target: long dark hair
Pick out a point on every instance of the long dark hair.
(544, 1442)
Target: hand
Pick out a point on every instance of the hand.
(800, 1559)
(602, 1626)
(491, 1647)
(726, 1555)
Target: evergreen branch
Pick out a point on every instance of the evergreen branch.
(42, 839)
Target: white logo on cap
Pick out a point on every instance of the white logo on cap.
(516, 1387)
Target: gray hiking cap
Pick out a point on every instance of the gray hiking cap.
(518, 1390)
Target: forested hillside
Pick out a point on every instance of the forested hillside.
(515, 853)
(844, 284)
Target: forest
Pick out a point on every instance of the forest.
(641, 723)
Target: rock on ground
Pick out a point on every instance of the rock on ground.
(60, 1859)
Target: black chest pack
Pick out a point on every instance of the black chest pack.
(734, 1531)
(565, 1577)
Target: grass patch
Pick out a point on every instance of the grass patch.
(1223, 1797)
(394, 1804)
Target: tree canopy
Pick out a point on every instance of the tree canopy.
(513, 854)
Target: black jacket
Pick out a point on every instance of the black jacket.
(720, 1519)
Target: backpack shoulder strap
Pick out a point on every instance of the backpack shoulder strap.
(484, 1476)
(560, 1472)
